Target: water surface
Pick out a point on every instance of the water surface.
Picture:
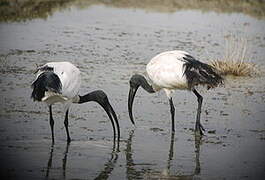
(109, 44)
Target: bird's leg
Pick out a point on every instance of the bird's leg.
(198, 127)
(172, 110)
(51, 123)
(66, 126)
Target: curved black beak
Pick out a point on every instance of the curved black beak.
(131, 96)
(112, 115)
(101, 98)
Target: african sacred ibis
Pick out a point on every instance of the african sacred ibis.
(60, 82)
(173, 70)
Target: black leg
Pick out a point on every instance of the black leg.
(51, 123)
(198, 127)
(172, 110)
(66, 126)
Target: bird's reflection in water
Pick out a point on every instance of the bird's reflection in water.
(171, 151)
(65, 159)
(49, 164)
(104, 174)
(110, 164)
(132, 173)
(197, 142)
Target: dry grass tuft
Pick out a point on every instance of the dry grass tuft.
(234, 68)
(233, 63)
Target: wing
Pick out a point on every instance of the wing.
(166, 70)
(68, 74)
(199, 73)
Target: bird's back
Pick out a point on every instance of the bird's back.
(179, 70)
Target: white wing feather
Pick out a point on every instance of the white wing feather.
(69, 76)
(166, 70)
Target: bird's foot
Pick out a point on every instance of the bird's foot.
(199, 129)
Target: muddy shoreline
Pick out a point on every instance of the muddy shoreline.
(21, 10)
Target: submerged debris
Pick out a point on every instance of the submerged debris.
(156, 129)
(212, 131)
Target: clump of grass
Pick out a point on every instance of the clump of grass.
(234, 63)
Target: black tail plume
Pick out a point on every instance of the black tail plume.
(46, 81)
(198, 73)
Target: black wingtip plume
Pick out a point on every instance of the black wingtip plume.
(199, 73)
(46, 81)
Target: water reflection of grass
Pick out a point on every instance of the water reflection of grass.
(19, 10)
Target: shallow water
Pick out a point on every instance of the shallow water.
(109, 45)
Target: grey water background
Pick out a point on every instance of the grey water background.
(109, 42)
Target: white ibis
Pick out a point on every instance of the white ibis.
(60, 82)
(174, 70)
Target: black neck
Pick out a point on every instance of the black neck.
(141, 81)
(93, 96)
(101, 98)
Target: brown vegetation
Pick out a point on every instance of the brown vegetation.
(234, 63)
(20, 10)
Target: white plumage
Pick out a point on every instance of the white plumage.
(60, 82)
(166, 71)
(172, 70)
(69, 76)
